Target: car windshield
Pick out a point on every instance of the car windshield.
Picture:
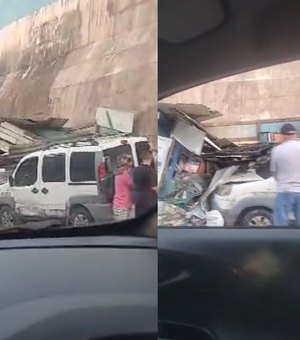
(77, 128)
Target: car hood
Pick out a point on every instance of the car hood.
(228, 176)
(243, 178)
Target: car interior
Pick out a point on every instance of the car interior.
(80, 283)
(231, 283)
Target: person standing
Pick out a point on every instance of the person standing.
(145, 185)
(122, 202)
(285, 167)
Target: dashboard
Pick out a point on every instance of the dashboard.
(78, 288)
(229, 284)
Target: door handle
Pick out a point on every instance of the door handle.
(34, 190)
(45, 191)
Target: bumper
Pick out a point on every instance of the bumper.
(226, 208)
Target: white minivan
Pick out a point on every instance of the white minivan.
(44, 181)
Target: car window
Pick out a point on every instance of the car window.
(82, 167)
(112, 154)
(140, 148)
(26, 174)
(54, 168)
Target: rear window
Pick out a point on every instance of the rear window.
(82, 167)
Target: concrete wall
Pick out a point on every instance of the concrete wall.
(75, 55)
(271, 93)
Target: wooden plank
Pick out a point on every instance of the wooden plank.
(15, 132)
(4, 136)
(13, 128)
(13, 138)
(4, 146)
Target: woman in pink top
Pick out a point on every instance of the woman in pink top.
(122, 203)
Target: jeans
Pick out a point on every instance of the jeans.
(285, 203)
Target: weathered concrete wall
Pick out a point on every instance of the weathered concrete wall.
(75, 55)
(271, 93)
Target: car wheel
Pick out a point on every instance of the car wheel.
(80, 217)
(6, 218)
(258, 218)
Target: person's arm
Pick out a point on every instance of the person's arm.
(154, 180)
(273, 167)
(129, 181)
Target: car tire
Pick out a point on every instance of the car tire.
(80, 217)
(6, 218)
(259, 218)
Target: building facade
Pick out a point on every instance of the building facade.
(73, 56)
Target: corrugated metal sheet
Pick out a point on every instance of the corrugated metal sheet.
(196, 111)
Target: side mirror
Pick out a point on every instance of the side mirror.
(11, 181)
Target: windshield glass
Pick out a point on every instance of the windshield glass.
(78, 118)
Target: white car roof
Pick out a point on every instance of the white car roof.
(104, 143)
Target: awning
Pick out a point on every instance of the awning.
(194, 114)
(198, 112)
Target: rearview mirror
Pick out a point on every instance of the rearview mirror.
(11, 181)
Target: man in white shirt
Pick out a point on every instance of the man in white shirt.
(285, 167)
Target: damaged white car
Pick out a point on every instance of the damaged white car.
(245, 199)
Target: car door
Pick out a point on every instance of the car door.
(54, 188)
(82, 177)
(26, 187)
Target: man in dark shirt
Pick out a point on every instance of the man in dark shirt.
(145, 187)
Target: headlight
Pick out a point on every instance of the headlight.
(224, 190)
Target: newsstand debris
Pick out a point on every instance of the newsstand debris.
(194, 163)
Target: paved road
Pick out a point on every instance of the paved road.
(148, 226)
(39, 224)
